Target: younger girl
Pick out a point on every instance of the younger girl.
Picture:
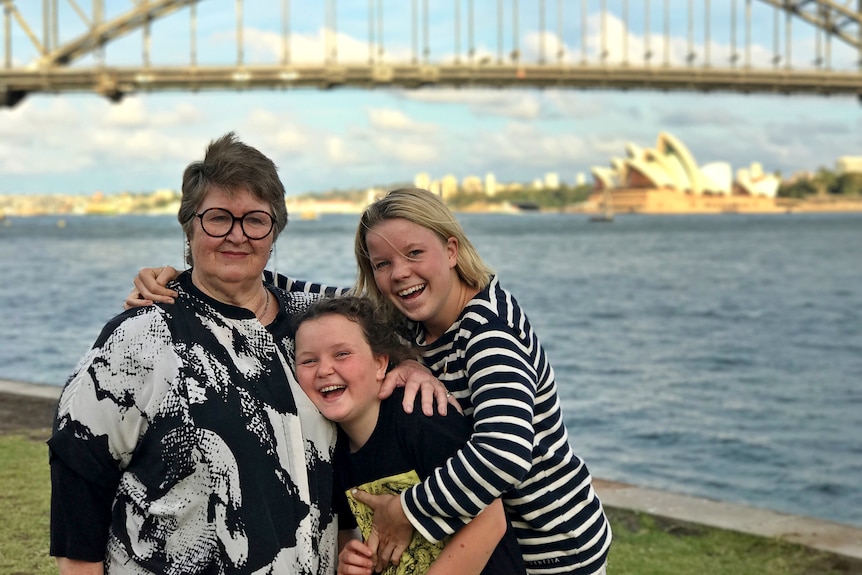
(343, 351)
(415, 258)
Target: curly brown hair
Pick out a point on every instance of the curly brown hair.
(378, 332)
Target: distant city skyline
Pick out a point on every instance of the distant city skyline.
(350, 138)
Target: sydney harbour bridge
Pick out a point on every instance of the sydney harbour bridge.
(748, 46)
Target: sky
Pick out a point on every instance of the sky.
(352, 138)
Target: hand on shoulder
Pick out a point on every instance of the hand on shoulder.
(150, 287)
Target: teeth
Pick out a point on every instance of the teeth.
(409, 291)
(330, 388)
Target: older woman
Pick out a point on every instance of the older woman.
(183, 443)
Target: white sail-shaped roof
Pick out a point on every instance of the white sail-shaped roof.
(654, 172)
(680, 161)
(717, 178)
(606, 178)
(671, 165)
(753, 181)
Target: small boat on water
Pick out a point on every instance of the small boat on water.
(527, 206)
(606, 209)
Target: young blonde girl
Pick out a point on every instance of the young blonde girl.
(415, 258)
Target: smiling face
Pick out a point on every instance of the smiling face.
(224, 266)
(339, 373)
(415, 270)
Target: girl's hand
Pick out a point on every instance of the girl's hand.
(391, 531)
(150, 287)
(416, 378)
(355, 559)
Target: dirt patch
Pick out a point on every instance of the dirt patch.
(22, 413)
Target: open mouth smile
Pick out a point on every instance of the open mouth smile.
(411, 291)
(325, 391)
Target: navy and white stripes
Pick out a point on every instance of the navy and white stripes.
(493, 363)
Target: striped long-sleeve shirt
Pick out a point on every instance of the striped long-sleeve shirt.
(293, 285)
(493, 363)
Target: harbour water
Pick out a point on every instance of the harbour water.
(718, 356)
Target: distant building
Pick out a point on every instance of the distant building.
(490, 185)
(472, 185)
(372, 195)
(667, 178)
(849, 165)
(580, 179)
(753, 182)
(448, 186)
(552, 181)
(422, 180)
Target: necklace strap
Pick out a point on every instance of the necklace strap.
(265, 305)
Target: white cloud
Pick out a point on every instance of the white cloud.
(265, 45)
(520, 104)
(414, 151)
(397, 120)
(388, 118)
(128, 113)
(183, 114)
(526, 144)
(609, 41)
(290, 139)
(139, 147)
(339, 152)
(574, 104)
(277, 133)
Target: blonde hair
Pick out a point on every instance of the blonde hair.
(425, 209)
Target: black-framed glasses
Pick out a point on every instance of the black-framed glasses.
(218, 222)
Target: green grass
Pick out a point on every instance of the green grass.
(25, 490)
(646, 545)
(643, 545)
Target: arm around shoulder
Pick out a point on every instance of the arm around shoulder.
(150, 287)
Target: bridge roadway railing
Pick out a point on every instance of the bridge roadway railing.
(53, 71)
(114, 82)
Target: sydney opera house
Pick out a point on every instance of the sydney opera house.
(667, 179)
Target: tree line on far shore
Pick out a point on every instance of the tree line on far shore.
(823, 182)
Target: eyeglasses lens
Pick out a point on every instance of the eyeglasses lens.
(218, 222)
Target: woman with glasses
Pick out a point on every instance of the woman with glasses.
(183, 443)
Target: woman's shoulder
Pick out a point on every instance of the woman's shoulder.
(292, 285)
(408, 425)
(294, 301)
(492, 316)
(493, 306)
(133, 326)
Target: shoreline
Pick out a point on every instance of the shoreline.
(310, 209)
(30, 407)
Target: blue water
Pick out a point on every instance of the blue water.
(719, 356)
